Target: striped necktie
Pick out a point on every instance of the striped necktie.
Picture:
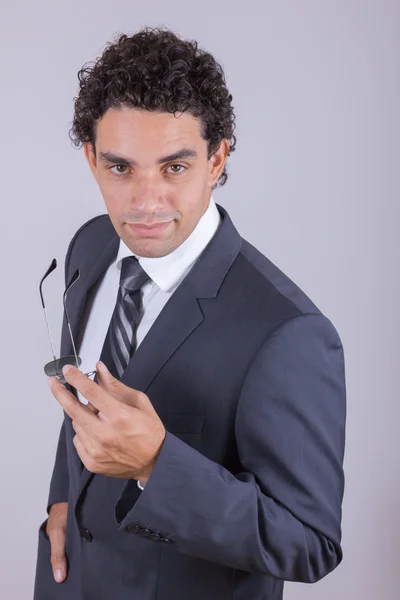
(120, 341)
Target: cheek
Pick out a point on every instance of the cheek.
(191, 210)
(110, 189)
(115, 197)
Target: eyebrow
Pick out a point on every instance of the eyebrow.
(121, 160)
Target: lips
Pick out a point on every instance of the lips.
(146, 230)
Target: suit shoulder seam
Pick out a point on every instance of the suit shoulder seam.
(288, 300)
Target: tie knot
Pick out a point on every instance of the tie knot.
(132, 275)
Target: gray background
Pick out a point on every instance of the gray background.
(314, 185)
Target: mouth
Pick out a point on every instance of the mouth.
(149, 230)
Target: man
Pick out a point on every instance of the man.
(205, 459)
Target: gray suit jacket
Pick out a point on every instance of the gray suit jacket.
(248, 378)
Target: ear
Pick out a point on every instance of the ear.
(217, 162)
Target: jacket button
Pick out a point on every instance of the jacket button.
(154, 537)
(85, 533)
(144, 532)
(165, 540)
(132, 528)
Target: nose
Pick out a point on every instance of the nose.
(147, 195)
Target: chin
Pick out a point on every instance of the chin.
(151, 248)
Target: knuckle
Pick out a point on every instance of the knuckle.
(89, 392)
(91, 464)
(57, 554)
(107, 441)
(57, 559)
(96, 453)
(124, 415)
(114, 384)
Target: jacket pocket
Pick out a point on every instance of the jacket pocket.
(182, 423)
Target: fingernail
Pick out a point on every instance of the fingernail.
(66, 368)
(58, 575)
(103, 367)
(50, 381)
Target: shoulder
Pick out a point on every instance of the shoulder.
(283, 312)
(92, 230)
(263, 276)
(88, 239)
(93, 227)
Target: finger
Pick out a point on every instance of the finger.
(89, 440)
(58, 559)
(96, 412)
(92, 408)
(70, 403)
(117, 389)
(90, 390)
(85, 438)
(83, 453)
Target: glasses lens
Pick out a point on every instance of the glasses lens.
(54, 368)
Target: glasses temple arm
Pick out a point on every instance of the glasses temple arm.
(49, 270)
(75, 278)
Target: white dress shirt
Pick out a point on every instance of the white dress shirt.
(165, 272)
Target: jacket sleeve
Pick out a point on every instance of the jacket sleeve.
(281, 514)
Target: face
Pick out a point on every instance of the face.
(152, 168)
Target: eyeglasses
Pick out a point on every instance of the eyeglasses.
(54, 368)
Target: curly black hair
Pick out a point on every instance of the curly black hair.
(155, 70)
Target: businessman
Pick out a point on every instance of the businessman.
(204, 461)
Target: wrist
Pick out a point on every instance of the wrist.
(143, 476)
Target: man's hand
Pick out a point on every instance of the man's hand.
(56, 530)
(126, 435)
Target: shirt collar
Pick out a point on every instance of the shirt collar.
(168, 271)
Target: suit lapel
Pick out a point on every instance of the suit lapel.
(180, 316)
(90, 270)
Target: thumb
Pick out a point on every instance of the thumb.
(58, 558)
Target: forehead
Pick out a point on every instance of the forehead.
(132, 127)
